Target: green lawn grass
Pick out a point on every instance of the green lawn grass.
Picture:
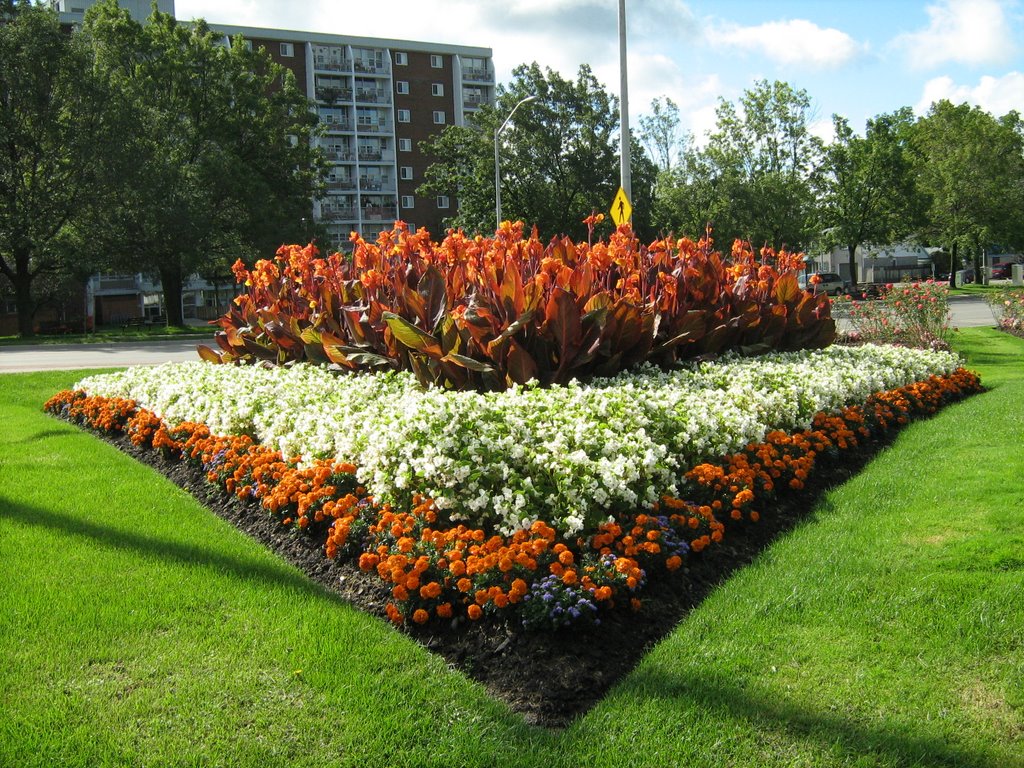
(887, 630)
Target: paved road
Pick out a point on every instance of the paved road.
(46, 357)
(966, 311)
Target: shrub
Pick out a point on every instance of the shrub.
(911, 315)
(1008, 308)
(481, 313)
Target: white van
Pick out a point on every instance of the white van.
(829, 283)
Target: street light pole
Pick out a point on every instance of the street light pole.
(497, 161)
(624, 169)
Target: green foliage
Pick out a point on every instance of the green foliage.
(485, 314)
(915, 315)
(969, 166)
(661, 134)
(865, 185)
(219, 142)
(55, 129)
(752, 180)
(558, 155)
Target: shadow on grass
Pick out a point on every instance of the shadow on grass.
(771, 712)
(159, 548)
(43, 435)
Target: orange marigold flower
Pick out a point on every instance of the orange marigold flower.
(430, 591)
(420, 616)
(444, 610)
(674, 562)
(474, 612)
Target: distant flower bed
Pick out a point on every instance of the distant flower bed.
(1008, 308)
(913, 315)
(549, 505)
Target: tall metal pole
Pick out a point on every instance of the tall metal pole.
(624, 106)
(497, 161)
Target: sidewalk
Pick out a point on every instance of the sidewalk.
(49, 357)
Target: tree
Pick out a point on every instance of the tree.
(55, 132)
(752, 180)
(970, 168)
(661, 134)
(865, 185)
(223, 164)
(559, 154)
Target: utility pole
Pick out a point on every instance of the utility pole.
(624, 106)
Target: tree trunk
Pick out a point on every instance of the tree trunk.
(853, 265)
(21, 280)
(26, 307)
(171, 282)
(953, 265)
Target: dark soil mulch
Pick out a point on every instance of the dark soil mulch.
(549, 677)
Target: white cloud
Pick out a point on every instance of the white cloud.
(997, 95)
(973, 32)
(823, 129)
(797, 42)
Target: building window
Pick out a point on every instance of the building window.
(442, 201)
(405, 173)
(405, 145)
(437, 89)
(401, 58)
(437, 62)
(403, 116)
(438, 117)
(408, 201)
(287, 49)
(402, 86)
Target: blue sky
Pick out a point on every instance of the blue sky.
(858, 58)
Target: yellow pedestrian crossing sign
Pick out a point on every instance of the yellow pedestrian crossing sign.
(622, 211)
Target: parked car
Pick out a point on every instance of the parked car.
(827, 282)
(864, 291)
(1002, 271)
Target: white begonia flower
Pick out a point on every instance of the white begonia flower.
(568, 455)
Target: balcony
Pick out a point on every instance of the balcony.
(376, 184)
(339, 156)
(478, 74)
(373, 96)
(340, 185)
(339, 214)
(473, 100)
(380, 213)
(338, 126)
(332, 95)
(369, 67)
(334, 65)
(371, 126)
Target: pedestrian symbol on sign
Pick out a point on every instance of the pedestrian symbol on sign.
(621, 211)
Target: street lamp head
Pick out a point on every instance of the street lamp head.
(497, 160)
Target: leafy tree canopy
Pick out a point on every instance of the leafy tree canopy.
(222, 165)
(558, 155)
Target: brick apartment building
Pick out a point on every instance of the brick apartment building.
(377, 100)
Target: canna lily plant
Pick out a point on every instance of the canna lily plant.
(487, 313)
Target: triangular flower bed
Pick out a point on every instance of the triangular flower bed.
(623, 585)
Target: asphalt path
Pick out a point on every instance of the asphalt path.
(62, 357)
(965, 311)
